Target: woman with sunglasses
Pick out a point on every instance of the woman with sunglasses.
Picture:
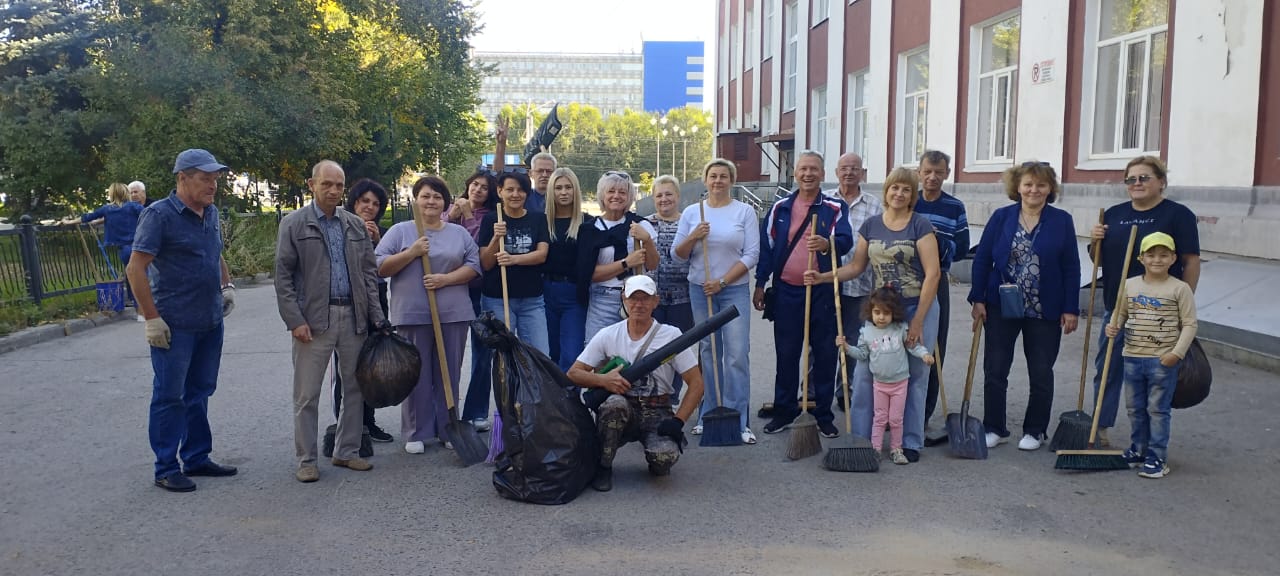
(1026, 275)
(1145, 181)
(566, 316)
(480, 197)
(620, 244)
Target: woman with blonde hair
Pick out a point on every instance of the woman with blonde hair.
(119, 219)
(566, 315)
(618, 245)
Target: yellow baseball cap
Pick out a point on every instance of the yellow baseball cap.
(1157, 239)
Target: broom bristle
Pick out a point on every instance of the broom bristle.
(804, 440)
(1091, 460)
(851, 459)
(1072, 432)
(721, 427)
(495, 438)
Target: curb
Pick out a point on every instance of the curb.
(64, 328)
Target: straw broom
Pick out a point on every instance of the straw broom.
(804, 430)
(856, 454)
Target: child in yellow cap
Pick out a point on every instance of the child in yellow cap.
(1159, 318)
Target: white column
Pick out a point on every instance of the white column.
(1213, 115)
(775, 108)
(742, 63)
(876, 162)
(802, 75)
(944, 75)
(836, 85)
(1042, 104)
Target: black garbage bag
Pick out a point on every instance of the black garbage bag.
(1195, 376)
(387, 368)
(549, 443)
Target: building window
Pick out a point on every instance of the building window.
(766, 118)
(913, 112)
(821, 11)
(789, 64)
(859, 129)
(994, 90)
(818, 140)
(1131, 49)
(734, 67)
(767, 30)
(750, 43)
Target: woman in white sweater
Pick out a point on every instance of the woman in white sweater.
(732, 248)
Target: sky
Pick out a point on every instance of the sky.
(608, 26)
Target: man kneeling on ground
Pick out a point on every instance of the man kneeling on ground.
(639, 411)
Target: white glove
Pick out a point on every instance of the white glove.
(228, 299)
(157, 333)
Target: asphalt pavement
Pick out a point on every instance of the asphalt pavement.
(76, 493)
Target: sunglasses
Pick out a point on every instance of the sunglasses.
(618, 173)
(1143, 178)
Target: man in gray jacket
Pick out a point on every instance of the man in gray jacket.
(326, 290)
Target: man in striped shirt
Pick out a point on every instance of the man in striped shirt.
(850, 174)
(951, 225)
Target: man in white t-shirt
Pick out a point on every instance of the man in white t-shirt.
(640, 410)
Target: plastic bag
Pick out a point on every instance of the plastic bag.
(550, 447)
(1195, 376)
(387, 368)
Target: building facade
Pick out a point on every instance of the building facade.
(672, 75)
(1085, 85)
(610, 82)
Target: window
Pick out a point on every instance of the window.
(766, 118)
(1131, 49)
(767, 30)
(818, 106)
(733, 52)
(749, 43)
(859, 129)
(821, 10)
(994, 90)
(789, 64)
(913, 113)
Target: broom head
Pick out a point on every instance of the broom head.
(1091, 460)
(804, 442)
(1072, 432)
(721, 427)
(854, 455)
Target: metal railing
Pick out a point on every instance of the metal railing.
(38, 262)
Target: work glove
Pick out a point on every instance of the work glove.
(228, 299)
(157, 332)
(673, 428)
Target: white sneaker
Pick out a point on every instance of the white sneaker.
(748, 437)
(481, 424)
(448, 445)
(994, 440)
(415, 447)
(697, 430)
(1029, 442)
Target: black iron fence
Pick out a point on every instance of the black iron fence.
(38, 262)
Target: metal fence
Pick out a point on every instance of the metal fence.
(38, 262)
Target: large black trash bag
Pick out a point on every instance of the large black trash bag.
(387, 368)
(550, 446)
(1194, 378)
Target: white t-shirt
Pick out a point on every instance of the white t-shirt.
(734, 237)
(605, 255)
(613, 340)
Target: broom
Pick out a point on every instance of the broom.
(854, 453)
(1091, 458)
(1073, 426)
(721, 426)
(804, 442)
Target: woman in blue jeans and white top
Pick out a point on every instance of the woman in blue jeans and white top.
(524, 247)
(566, 315)
(902, 251)
(1026, 274)
(672, 275)
(732, 250)
(620, 244)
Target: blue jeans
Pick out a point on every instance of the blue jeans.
(1041, 340)
(186, 374)
(788, 338)
(1150, 385)
(477, 402)
(604, 308)
(1115, 377)
(913, 418)
(681, 316)
(733, 344)
(528, 319)
(566, 322)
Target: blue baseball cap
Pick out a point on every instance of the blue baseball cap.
(199, 159)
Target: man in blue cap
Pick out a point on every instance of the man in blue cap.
(184, 300)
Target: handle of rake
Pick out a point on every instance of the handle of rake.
(706, 267)
(97, 274)
(1088, 320)
(506, 303)
(442, 358)
(844, 362)
(808, 306)
(1111, 341)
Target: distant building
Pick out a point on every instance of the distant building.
(672, 75)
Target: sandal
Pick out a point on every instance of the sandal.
(697, 430)
(748, 437)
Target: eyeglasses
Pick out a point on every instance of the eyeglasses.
(1143, 178)
(618, 173)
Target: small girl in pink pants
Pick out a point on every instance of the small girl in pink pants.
(881, 341)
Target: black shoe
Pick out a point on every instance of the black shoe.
(778, 424)
(176, 482)
(211, 468)
(603, 482)
(913, 456)
(366, 445)
(378, 434)
(766, 411)
(828, 430)
(327, 446)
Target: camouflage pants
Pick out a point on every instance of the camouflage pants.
(624, 419)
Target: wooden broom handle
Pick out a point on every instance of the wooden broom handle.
(706, 267)
(502, 271)
(1088, 320)
(844, 362)
(442, 358)
(808, 306)
(1111, 342)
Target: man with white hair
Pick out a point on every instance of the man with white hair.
(138, 192)
(540, 168)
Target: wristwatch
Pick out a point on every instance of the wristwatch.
(227, 285)
(723, 284)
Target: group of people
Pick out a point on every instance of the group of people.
(586, 289)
